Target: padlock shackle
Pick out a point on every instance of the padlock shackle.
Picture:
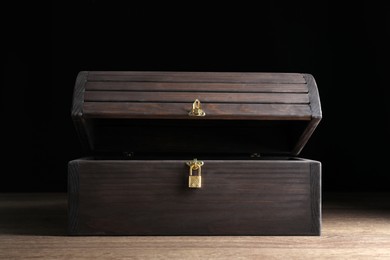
(196, 168)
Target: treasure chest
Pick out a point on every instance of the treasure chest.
(194, 153)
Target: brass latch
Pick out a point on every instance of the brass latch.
(196, 109)
(195, 181)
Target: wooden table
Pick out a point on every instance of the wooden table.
(355, 226)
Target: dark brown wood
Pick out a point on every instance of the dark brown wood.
(249, 197)
(149, 195)
(78, 94)
(316, 196)
(169, 96)
(184, 97)
(73, 195)
(356, 226)
(180, 111)
(315, 107)
(198, 86)
(83, 128)
(314, 96)
(304, 138)
(216, 77)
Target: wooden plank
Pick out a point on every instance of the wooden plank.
(83, 128)
(316, 112)
(335, 245)
(237, 198)
(166, 76)
(241, 98)
(314, 96)
(73, 195)
(180, 111)
(316, 196)
(304, 138)
(355, 226)
(219, 104)
(78, 93)
(199, 87)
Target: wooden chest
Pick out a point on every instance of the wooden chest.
(147, 131)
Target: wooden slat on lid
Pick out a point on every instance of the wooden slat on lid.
(197, 86)
(282, 108)
(232, 77)
(183, 97)
(180, 111)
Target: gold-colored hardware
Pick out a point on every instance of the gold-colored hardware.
(195, 163)
(195, 181)
(196, 109)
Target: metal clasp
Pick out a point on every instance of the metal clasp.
(196, 109)
(195, 164)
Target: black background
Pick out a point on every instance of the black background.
(344, 47)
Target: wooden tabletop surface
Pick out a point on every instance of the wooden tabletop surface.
(355, 226)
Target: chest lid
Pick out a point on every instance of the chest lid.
(195, 112)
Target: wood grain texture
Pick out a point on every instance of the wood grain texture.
(214, 77)
(73, 195)
(315, 107)
(78, 93)
(314, 96)
(83, 128)
(228, 87)
(225, 96)
(151, 197)
(189, 97)
(316, 196)
(180, 111)
(355, 226)
(305, 136)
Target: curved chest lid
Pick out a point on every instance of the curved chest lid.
(195, 112)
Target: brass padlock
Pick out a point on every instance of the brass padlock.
(195, 181)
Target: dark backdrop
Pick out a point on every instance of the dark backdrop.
(344, 47)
